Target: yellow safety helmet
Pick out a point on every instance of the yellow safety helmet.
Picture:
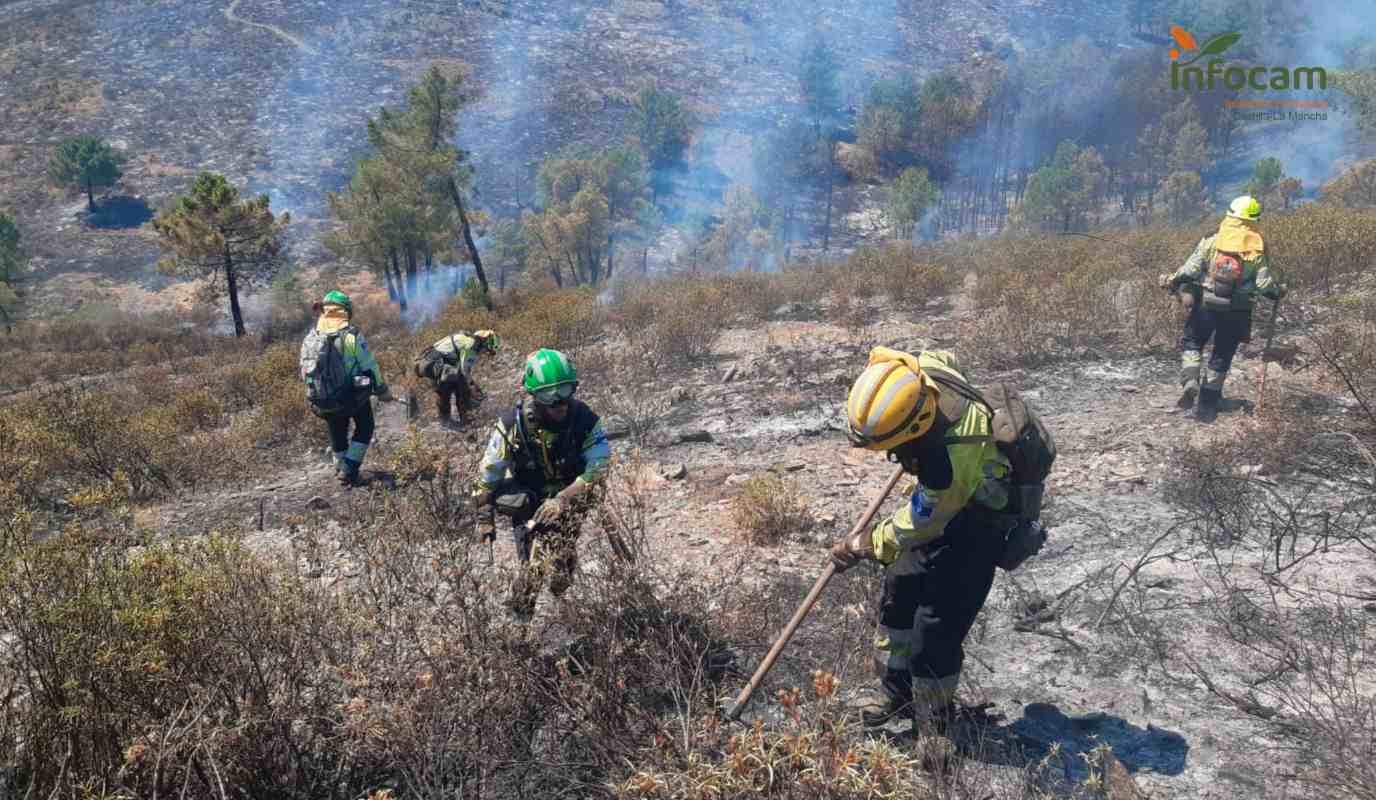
(1245, 207)
(892, 402)
(489, 338)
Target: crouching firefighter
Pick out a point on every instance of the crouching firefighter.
(448, 365)
(1217, 285)
(980, 465)
(543, 463)
(341, 376)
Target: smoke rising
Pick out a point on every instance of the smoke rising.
(288, 119)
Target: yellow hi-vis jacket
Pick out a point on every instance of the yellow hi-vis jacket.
(458, 349)
(979, 473)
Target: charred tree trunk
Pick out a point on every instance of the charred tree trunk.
(391, 287)
(401, 288)
(831, 188)
(457, 197)
(232, 284)
(91, 196)
(411, 270)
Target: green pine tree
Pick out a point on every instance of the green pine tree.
(211, 233)
(86, 163)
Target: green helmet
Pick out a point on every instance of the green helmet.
(340, 299)
(550, 376)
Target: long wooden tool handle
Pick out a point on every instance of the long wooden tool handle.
(807, 604)
(1270, 337)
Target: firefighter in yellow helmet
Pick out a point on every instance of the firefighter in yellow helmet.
(448, 365)
(1218, 284)
(940, 548)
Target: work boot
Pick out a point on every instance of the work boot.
(877, 708)
(1187, 394)
(1208, 405)
(348, 473)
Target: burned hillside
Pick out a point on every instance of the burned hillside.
(336, 333)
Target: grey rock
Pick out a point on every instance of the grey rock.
(674, 472)
(317, 503)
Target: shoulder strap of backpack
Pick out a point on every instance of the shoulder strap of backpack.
(964, 389)
(509, 421)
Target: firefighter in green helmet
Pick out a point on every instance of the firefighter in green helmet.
(341, 377)
(543, 462)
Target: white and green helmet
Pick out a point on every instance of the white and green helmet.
(547, 369)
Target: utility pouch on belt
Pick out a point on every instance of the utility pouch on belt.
(1024, 541)
(513, 505)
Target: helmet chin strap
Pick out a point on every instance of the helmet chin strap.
(547, 421)
(905, 455)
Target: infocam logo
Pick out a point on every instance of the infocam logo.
(1215, 72)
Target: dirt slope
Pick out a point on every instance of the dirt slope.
(1060, 668)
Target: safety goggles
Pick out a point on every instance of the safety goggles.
(554, 395)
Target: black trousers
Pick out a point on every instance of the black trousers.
(548, 554)
(1228, 329)
(931, 600)
(363, 427)
(449, 393)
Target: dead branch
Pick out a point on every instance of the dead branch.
(1144, 560)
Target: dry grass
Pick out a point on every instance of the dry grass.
(769, 508)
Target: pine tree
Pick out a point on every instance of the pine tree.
(86, 163)
(1182, 193)
(589, 196)
(11, 261)
(663, 129)
(817, 80)
(210, 232)
(909, 198)
(1063, 194)
(418, 142)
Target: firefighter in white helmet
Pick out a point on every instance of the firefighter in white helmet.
(1218, 284)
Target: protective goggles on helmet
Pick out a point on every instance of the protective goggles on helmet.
(554, 395)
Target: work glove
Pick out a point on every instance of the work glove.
(487, 530)
(549, 512)
(449, 374)
(848, 552)
(1163, 280)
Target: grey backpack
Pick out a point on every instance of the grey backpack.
(329, 386)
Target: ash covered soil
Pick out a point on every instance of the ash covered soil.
(1065, 652)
